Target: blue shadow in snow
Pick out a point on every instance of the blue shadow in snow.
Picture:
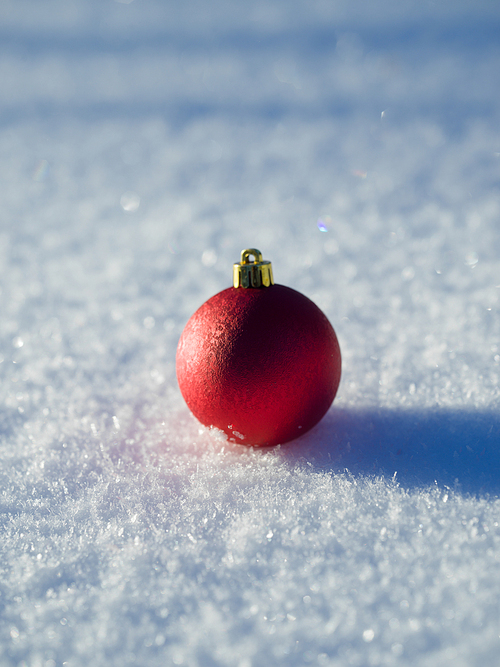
(458, 449)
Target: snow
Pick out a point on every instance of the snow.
(143, 144)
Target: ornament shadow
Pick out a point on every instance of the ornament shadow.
(453, 448)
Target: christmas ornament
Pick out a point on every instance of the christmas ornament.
(259, 361)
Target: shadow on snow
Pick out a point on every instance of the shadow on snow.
(459, 449)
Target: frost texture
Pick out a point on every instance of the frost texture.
(143, 145)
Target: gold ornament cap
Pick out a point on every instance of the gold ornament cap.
(256, 273)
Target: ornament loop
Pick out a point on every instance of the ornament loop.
(246, 254)
(256, 273)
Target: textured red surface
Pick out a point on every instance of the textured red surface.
(263, 365)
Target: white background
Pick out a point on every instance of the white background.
(142, 145)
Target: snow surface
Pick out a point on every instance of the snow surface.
(142, 145)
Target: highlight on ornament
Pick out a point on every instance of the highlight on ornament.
(259, 361)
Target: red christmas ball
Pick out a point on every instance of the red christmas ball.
(261, 363)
